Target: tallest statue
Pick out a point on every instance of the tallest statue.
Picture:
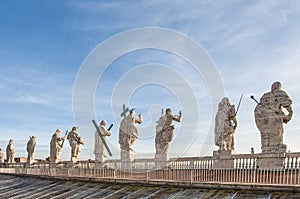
(269, 118)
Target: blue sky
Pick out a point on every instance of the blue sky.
(43, 44)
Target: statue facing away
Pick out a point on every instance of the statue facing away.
(164, 134)
(269, 118)
(99, 148)
(10, 152)
(225, 125)
(128, 134)
(74, 141)
(56, 146)
(31, 145)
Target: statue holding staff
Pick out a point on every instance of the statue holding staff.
(100, 150)
(74, 141)
(225, 125)
(56, 146)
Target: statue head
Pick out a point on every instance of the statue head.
(103, 123)
(225, 101)
(132, 112)
(58, 131)
(75, 128)
(276, 86)
(11, 141)
(168, 111)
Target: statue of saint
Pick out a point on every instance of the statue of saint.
(1, 156)
(99, 148)
(31, 145)
(128, 133)
(165, 133)
(269, 118)
(56, 146)
(74, 141)
(225, 125)
(10, 152)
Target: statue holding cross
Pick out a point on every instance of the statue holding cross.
(128, 133)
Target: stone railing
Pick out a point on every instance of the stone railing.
(191, 170)
(190, 176)
(240, 161)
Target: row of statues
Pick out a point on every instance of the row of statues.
(128, 135)
(10, 151)
(269, 118)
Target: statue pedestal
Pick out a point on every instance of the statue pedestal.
(271, 160)
(223, 159)
(128, 155)
(274, 149)
(161, 160)
(126, 158)
(272, 157)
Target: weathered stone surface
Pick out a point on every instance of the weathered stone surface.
(223, 159)
(101, 154)
(225, 125)
(74, 141)
(128, 135)
(10, 152)
(55, 146)
(274, 161)
(31, 145)
(164, 135)
(269, 118)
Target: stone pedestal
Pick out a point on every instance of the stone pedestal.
(271, 161)
(126, 158)
(161, 161)
(223, 159)
(128, 155)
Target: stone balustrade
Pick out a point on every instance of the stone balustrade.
(191, 170)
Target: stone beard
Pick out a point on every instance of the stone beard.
(225, 125)
(269, 118)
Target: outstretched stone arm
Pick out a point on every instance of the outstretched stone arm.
(177, 118)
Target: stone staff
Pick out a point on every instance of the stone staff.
(62, 144)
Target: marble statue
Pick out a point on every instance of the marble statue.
(225, 125)
(99, 148)
(128, 135)
(1, 156)
(269, 118)
(31, 145)
(56, 146)
(164, 134)
(10, 152)
(74, 141)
